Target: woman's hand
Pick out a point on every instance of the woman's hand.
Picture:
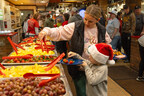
(72, 54)
(41, 35)
(142, 33)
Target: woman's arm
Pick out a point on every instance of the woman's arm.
(58, 33)
(36, 30)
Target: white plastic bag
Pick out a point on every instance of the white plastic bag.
(141, 40)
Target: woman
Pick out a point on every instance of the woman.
(33, 25)
(61, 46)
(113, 29)
(25, 25)
(81, 35)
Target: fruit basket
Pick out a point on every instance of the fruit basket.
(64, 91)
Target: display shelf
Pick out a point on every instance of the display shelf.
(12, 20)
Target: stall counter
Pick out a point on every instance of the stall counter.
(5, 47)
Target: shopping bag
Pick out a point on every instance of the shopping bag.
(141, 40)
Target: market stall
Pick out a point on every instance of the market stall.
(49, 78)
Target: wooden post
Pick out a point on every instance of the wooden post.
(133, 3)
(103, 4)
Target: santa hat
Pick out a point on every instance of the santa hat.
(102, 53)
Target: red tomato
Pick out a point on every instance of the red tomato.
(65, 60)
(71, 62)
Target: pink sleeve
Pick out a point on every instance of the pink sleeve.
(60, 33)
(107, 38)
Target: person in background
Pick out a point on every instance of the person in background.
(74, 15)
(66, 18)
(96, 69)
(25, 25)
(139, 30)
(102, 20)
(61, 46)
(139, 21)
(59, 23)
(128, 28)
(54, 18)
(113, 29)
(81, 35)
(60, 18)
(49, 22)
(119, 17)
(33, 25)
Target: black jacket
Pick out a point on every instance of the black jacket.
(77, 43)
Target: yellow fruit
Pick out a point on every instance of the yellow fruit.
(33, 51)
(19, 71)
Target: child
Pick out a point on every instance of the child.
(96, 69)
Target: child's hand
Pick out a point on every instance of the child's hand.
(72, 54)
(84, 63)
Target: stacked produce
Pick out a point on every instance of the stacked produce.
(31, 50)
(117, 53)
(19, 71)
(41, 58)
(30, 87)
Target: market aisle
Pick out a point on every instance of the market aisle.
(115, 90)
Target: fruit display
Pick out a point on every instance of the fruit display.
(19, 71)
(31, 50)
(30, 87)
(117, 53)
(41, 58)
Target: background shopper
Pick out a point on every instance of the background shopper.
(128, 28)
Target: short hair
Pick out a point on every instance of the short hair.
(35, 16)
(74, 9)
(125, 7)
(66, 16)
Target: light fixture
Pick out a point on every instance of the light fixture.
(42, 1)
(22, 14)
(21, 3)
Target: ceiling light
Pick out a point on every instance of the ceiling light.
(21, 3)
(42, 1)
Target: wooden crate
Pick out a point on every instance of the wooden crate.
(135, 55)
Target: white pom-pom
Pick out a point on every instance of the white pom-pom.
(111, 62)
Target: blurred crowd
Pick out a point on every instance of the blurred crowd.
(119, 25)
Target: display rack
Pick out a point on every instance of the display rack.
(12, 20)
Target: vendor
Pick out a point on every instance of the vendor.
(81, 35)
(33, 25)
